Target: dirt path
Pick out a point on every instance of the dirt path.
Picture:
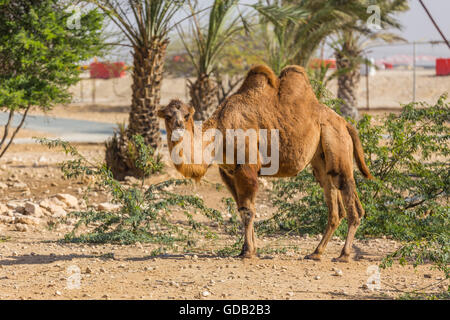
(36, 267)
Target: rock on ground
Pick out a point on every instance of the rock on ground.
(107, 206)
(69, 200)
(54, 206)
(23, 219)
(33, 209)
(21, 227)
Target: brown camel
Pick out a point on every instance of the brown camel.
(309, 133)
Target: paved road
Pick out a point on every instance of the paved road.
(66, 129)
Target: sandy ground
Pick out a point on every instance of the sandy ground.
(34, 265)
(390, 88)
(112, 99)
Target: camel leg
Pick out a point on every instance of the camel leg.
(354, 212)
(246, 184)
(332, 198)
(338, 155)
(229, 183)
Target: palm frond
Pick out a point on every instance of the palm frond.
(275, 21)
(207, 41)
(141, 20)
(280, 16)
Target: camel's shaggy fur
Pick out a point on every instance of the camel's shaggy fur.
(309, 133)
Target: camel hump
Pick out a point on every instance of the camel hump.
(261, 70)
(295, 88)
(265, 70)
(292, 68)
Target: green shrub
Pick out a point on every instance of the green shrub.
(122, 156)
(40, 55)
(144, 213)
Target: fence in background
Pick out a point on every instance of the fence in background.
(411, 56)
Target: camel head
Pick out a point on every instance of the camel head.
(178, 117)
(179, 121)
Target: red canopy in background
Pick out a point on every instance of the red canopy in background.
(107, 70)
(442, 67)
(316, 63)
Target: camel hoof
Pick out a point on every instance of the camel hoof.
(247, 255)
(341, 259)
(313, 256)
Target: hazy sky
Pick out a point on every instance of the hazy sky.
(416, 27)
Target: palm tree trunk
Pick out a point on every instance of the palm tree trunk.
(347, 86)
(147, 78)
(203, 94)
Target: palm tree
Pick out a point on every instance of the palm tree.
(348, 59)
(297, 27)
(349, 47)
(275, 20)
(204, 52)
(325, 17)
(146, 25)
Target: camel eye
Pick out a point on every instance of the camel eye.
(187, 116)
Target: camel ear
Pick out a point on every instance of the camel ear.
(161, 113)
(191, 110)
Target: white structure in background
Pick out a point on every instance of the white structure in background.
(371, 68)
(408, 60)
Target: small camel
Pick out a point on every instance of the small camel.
(309, 133)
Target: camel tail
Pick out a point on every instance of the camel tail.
(358, 152)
